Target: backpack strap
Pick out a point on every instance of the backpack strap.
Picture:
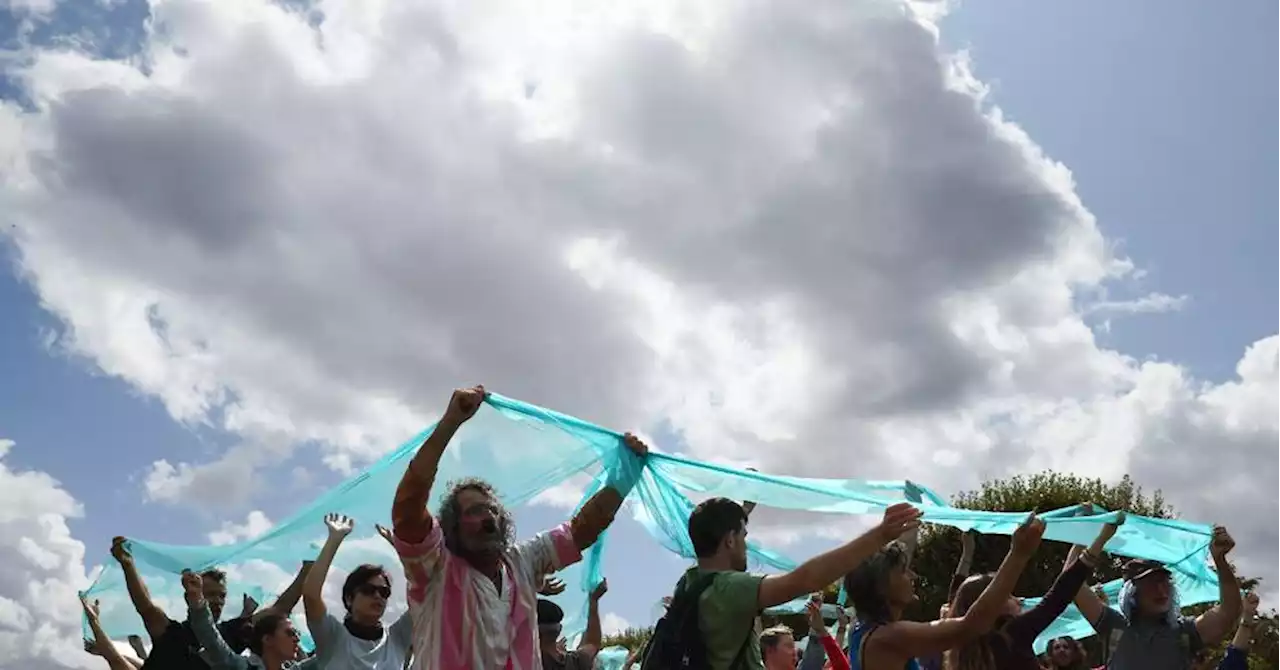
(687, 591)
(746, 642)
(695, 591)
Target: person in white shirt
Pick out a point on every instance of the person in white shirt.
(358, 641)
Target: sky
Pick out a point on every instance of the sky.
(249, 247)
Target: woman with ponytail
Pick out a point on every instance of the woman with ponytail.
(1008, 645)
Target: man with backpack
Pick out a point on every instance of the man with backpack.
(711, 620)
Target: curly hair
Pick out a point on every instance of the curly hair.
(214, 575)
(867, 586)
(450, 515)
(1078, 656)
(1129, 604)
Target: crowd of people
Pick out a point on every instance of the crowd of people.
(474, 600)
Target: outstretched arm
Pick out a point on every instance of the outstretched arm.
(821, 570)
(153, 618)
(1027, 626)
(101, 644)
(136, 643)
(1243, 638)
(593, 638)
(289, 598)
(217, 653)
(909, 638)
(1088, 602)
(1214, 625)
(968, 544)
(597, 514)
(410, 520)
(312, 589)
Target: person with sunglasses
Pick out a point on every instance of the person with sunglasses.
(358, 641)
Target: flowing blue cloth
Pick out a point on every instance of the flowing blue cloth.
(524, 450)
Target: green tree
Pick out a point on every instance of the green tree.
(631, 638)
(939, 549)
(939, 552)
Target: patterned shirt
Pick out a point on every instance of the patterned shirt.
(461, 620)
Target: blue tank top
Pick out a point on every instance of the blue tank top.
(860, 633)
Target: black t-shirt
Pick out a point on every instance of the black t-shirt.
(572, 660)
(178, 649)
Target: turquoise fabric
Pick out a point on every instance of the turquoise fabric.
(524, 450)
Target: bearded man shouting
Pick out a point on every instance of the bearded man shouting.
(472, 588)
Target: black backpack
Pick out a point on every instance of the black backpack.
(676, 643)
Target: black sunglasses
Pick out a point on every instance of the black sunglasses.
(371, 590)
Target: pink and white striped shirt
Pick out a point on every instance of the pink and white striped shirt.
(461, 621)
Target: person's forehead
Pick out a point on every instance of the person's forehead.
(1155, 579)
(378, 579)
(470, 497)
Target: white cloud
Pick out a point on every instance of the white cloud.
(613, 624)
(1152, 303)
(255, 524)
(801, 237)
(43, 570)
(566, 494)
(37, 8)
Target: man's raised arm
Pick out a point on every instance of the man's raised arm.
(410, 520)
(1215, 624)
(153, 618)
(598, 512)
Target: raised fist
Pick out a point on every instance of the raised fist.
(1026, 539)
(1222, 543)
(636, 445)
(192, 587)
(464, 403)
(121, 552)
(602, 588)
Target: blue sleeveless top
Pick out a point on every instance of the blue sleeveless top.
(860, 633)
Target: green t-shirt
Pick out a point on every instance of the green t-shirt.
(727, 615)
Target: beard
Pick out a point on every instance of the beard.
(484, 544)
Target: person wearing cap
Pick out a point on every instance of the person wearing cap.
(550, 618)
(1149, 632)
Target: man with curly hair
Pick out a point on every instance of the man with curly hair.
(472, 588)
